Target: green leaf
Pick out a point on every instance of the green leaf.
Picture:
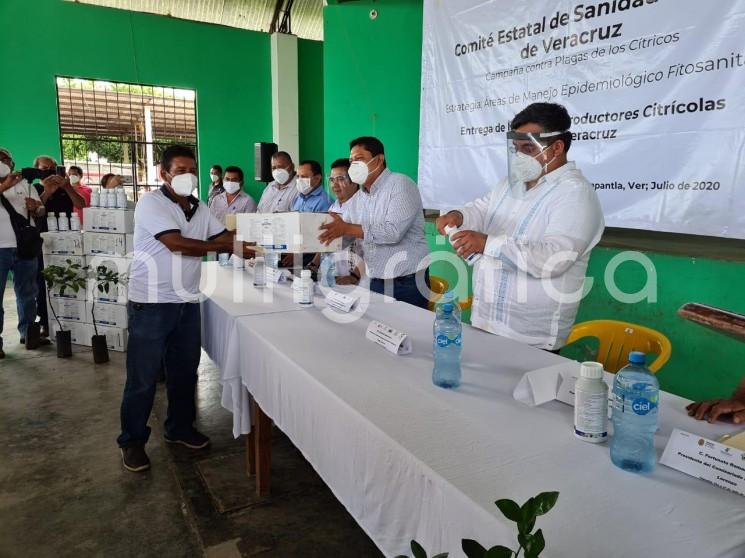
(441, 555)
(536, 546)
(499, 552)
(417, 550)
(402, 556)
(526, 526)
(472, 549)
(509, 509)
(524, 539)
(544, 502)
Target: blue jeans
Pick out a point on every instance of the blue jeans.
(24, 284)
(404, 288)
(160, 335)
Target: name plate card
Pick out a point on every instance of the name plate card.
(716, 463)
(340, 301)
(397, 342)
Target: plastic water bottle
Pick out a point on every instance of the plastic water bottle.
(302, 289)
(447, 331)
(271, 262)
(74, 222)
(591, 404)
(121, 199)
(450, 230)
(63, 223)
(223, 259)
(259, 272)
(328, 270)
(636, 394)
(52, 222)
(95, 199)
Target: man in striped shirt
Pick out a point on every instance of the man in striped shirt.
(391, 225)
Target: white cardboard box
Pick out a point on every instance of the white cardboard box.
(117, 293)
(292, 232)
(107, 313)
(111, 244)
(80, 333)
(61, 259)
(67, 242)
(72, 310)
(97, 219)
(116, 337)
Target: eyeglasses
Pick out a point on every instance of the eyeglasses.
(341, 179)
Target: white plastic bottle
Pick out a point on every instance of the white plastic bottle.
(111, 199)
(259, 272)
(52, 222)
(121, 199)
(450, 230)
(591, 404)
(63, 223)
(74, 222)
(302, 289)
(95, 199)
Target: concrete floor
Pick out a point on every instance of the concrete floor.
(63, 491)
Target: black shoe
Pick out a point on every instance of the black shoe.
(2, 354)
(135, 459)
(44, 331)
(195, 440)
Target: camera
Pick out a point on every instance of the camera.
(30, 174)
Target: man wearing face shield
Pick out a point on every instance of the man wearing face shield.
(173, 231)
(280, 194)
(535, 231)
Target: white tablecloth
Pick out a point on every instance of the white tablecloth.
(410, 460)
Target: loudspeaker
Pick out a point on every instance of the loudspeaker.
(263, 161)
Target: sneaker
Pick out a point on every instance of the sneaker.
(135, 459)
(195, 440)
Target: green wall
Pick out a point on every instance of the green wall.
(310, 99)
(228, 68)
(372, 86)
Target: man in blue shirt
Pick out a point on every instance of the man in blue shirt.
(312, 197)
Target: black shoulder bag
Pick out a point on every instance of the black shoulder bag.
(28, 238)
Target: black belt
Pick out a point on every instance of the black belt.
(402, 277)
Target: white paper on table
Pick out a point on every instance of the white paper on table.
(553, 382)
(719, 464)
(340, 301)
(397, 342)
(274, 275)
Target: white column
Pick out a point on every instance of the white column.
(285, 120)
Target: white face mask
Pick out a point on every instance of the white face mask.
(231, 187)
(74, 179)
(303, 185)
(280, 175)
(524, 168)
(214, 177)
(359, 172)
(4, 170)
(184, 184)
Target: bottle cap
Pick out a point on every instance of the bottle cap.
(637, 357)
(305, 274)
(591, 370)
(450, 229)
(259, 259)
(449, 296)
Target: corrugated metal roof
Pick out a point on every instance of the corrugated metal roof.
(255, 15)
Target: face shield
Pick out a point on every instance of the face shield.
(523, 157)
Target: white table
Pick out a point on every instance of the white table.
(410, 460)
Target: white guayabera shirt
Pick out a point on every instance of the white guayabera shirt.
(528, 284)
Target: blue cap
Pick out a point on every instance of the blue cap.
(447, 307)
(449, 296)
(637, 357)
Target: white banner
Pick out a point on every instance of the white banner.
(655, 88)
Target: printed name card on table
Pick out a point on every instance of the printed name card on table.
(340, 301)
(274, 275)
(389, 338)
(716, 463)
(553, 382)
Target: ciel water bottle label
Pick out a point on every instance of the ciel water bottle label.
(642, 406)
(443, 341)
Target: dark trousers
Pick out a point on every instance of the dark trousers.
(160, 335)
(404, 288)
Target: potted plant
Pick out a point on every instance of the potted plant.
(531, 543)
(104, 278)
(70, 277)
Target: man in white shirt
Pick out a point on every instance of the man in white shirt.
(173, 230)
(280, 194)
(535, 231)
(232, 199)
(391, 225)
(25, 201)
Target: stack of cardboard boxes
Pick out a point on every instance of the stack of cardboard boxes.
(107, 241)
